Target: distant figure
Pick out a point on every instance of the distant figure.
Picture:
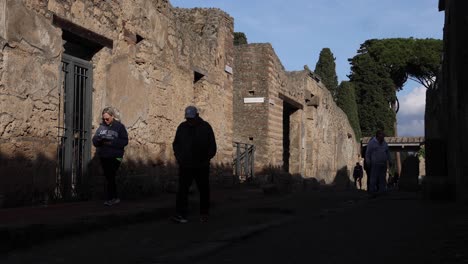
(357, 175)
(377, 159)
(194, 146)
(389, 181)
(396, 179)
(110, 140)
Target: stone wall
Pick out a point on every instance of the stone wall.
(147, 74)
(447, 113)
(321, 141)
(250, 124)
(150, 60)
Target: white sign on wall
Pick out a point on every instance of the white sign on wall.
(254, 100)
(228, 69)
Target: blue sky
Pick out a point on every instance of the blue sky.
(299, 29)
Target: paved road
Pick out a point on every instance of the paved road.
(385, 230)
(314, 227)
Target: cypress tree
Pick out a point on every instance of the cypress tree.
(325, 68)
(374, 92)
(346, 100)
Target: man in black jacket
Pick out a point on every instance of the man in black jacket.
(194, 146)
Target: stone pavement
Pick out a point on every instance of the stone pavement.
(26, 226)
(246, 226)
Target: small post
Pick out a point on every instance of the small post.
(246, 161)
(238, 160)
(252, 167)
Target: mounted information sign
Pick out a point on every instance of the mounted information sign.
(254, 100)
(228, 69)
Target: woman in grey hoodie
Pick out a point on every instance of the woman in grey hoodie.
(110, 140)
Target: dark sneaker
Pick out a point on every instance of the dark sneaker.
(115, 201)
(108, 203)
(204, 218)
(179, 219)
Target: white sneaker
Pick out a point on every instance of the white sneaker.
(112, 202)
(179, 219)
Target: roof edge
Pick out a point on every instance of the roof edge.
(441, 5)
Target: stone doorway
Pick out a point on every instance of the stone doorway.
(290, 130)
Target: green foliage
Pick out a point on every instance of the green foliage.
(325, 68)
(422, 152)
(239, 38)
(374, 111)
(346, 100)
(381, 68)
(424, 64)
(374, 91)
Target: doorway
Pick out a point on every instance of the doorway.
(288, 111)
(74, 127)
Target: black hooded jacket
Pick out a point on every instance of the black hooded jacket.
(194, 145)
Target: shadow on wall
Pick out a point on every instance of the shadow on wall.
(273, 180)
(25, 181)
(342, 180)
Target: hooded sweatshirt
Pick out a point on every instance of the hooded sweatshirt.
(116, 134)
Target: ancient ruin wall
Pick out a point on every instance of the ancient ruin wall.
(250, 122)
(148, 75)
(322, 143)
(29, 100)
(331, 148)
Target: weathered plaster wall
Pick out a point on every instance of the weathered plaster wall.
(148, 75)
(322, 142)
(29, 79)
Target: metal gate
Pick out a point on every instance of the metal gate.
(74, 127)
(244, 161)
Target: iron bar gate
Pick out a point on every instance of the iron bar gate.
(244, 161)
(74, 127)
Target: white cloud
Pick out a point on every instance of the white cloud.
(410, 118)
(411, 128)
(414, 102)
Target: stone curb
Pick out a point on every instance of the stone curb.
(25, 236)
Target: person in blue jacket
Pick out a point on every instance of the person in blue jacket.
(110, 140)
(194, 146)
(378, 160)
